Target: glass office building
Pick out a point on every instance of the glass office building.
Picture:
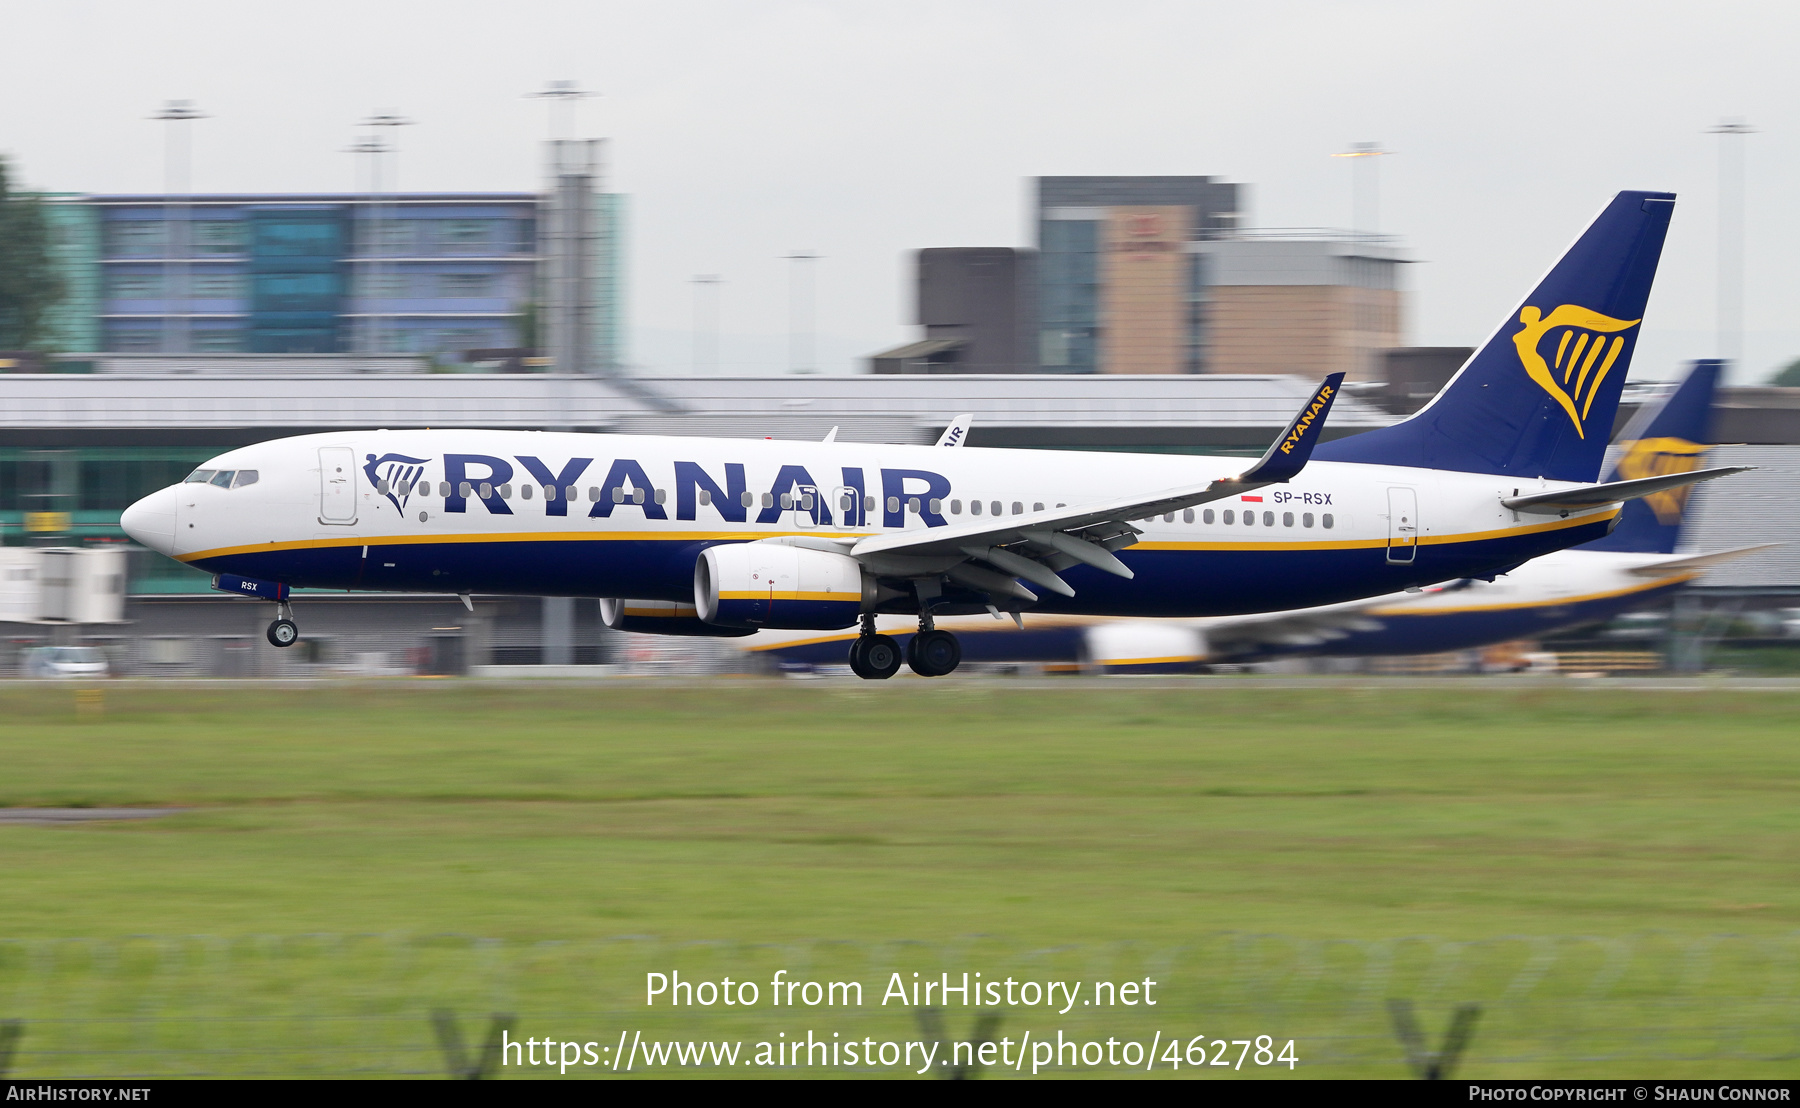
(437, 274)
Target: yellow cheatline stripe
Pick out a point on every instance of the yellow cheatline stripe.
(1172, 660)
(749, 536)
(1416, 609)
(771, 594)
(521, 536)
(802, 642)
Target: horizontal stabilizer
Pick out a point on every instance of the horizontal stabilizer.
(1562, 501)
(1287, 455)
(1676, 566)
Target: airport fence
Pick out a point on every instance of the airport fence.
(406, 1005)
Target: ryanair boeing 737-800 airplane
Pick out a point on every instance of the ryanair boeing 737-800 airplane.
(1633, 566)
(727, 537)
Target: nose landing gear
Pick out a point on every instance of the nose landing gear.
(283, 631)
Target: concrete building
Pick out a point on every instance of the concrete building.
(978, 306)
(1295, 301)
(1120, 291)
(1155, 275)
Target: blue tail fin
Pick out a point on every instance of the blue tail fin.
(1538, 399)
(1670, 437)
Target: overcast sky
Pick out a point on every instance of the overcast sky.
(745, 129)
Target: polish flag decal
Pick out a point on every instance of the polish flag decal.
(1252, 499)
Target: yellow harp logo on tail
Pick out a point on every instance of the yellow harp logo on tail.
(1657, 458)
(1584, 354)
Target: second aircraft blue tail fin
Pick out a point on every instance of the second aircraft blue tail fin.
(1538, 399)
(1670, 437)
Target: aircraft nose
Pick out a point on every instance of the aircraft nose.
(151, 521)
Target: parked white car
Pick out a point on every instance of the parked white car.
(65, 661)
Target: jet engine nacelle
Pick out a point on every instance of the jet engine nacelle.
(663, 617)
(1145, 646)
(762, 584)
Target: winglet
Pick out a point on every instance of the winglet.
(831, 435)
(958, 432)
(1287, 456)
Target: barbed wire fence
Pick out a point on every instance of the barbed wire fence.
(410, 1005)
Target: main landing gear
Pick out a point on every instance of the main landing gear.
(283, 631)
(930, 653)
(874, 657)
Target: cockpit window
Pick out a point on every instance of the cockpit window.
(244, 477)
(199, 477)
(223, 478)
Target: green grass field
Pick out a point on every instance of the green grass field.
(721, 824)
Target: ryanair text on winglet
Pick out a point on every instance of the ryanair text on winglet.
(1305, 422)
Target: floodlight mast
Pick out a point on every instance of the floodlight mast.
(1729, 326)
(563, 98)
(801, 311)
(706, 323)
(1365, 186)
(367, 274)
(177, 248)
(375, 146)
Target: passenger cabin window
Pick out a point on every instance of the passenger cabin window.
(748, 500)
(1187, 515)
(1306, 519)
(526, 492)
(1326, 520)
(994, 507)
(705, 497)
(1287, 519)
(974, 507)
(936, 506)
(955, 507)
(893, 504)
(1230, 517)
(1249, 519)
(1037, 507)
(1018, 508)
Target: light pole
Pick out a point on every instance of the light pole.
(1365, 186)
(706, 322)
(366, 274)
(800, 311)
(177, 154)
(377, 147)
(562, 97)
(1730, 323)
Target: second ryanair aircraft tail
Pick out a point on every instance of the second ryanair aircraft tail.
(1538, 399)
(1671, 437)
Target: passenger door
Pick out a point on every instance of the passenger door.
(337, 485)
(1403, 526)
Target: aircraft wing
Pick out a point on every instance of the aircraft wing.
(1581, 497)
(1673, 566)
(1036, 545)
